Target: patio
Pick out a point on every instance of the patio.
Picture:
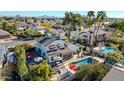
(33, 58)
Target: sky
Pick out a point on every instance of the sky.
(117, 14)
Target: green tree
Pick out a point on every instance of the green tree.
(80, 41)
(121, 46)
(21, 62)
(78, 52)
(116, 56)
(26, 46)
(41, 72)
(90, 19)
(92, 72)
(96, 22)
(72, 21)
(47, 25)
(100, 19)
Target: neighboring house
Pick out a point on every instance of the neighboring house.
(74, 33)
(88, 35)
(39, 29)
(54, 50)
(114, 75)
(22, 26)
(3, 52)
(101, 36)
(85, 35)
(4, 34)
(61, 36)
(11, 58)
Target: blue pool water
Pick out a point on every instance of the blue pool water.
(84, 61)
(106, 50)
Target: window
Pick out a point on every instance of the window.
(52, 58)
(43, 54)
(39, 51)
(59, 45)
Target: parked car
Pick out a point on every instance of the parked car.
(28, 38)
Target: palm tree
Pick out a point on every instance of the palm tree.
(100, 18)
(98, 21)
(116, 56)
(90, 18)
(72, 20)
(90, 22)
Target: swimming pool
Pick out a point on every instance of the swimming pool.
(84, 61)
(106, 50)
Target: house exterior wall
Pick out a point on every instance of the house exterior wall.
(22, 27)
(42, 31)
(42, 52)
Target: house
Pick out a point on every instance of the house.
(3, 52)
(21, 26)
(39, 29)
(101, 35)
(4, 34)
(61, 36)
(11, 58)
(54, 50)
(88, 35)
(114, 75)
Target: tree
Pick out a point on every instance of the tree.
(72, 21)
(121, 46)
(8, 26)
(118, 25)
(21, 62)
(41, 72)
(26, 46)
(100, 18)
(78, 52)
(96, 21)
(80, 41)
(92, 72)
(90, 18)
(47, 25)
(116, 56)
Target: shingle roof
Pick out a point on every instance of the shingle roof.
(21, 24)
(63, 52)
(114, 75)
(48, 41)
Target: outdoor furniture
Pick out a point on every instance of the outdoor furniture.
(74, 67)
(38, 59)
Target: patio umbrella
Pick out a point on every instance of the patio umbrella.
(74, 67)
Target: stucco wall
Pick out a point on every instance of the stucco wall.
(42, 52)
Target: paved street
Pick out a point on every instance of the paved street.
(13, 43)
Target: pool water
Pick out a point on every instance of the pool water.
(84, 61)
(106, 50)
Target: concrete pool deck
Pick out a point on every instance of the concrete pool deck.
(74, 59)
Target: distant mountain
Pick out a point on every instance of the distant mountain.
(113, 19)
(46, 16)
